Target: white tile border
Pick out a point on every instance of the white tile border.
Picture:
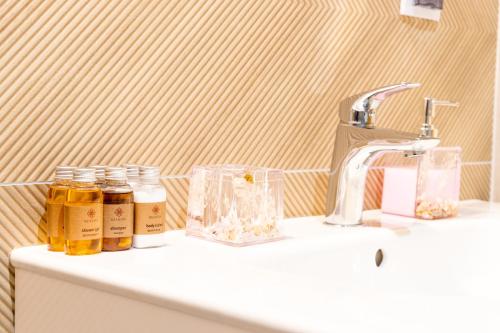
(286, 171)
(495, 153)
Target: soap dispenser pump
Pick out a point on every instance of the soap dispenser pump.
(428, 130)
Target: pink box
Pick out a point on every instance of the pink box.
(400, 191)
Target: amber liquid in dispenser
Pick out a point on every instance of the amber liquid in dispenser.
(118, 219)
(83, 217)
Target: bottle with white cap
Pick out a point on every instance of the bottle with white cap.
(132, 174)
(55, 207)
(149, 208)
(118, 211)
(100, 171)
(83, 214)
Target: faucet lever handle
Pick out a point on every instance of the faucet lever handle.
(359, 110)
(428, 130)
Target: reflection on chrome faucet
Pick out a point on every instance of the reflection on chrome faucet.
(358, 144)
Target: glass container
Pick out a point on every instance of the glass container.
(235, 204)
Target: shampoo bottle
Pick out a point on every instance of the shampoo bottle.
(118, 211)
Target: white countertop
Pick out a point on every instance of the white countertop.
(320, 279)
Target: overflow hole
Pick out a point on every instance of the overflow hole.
(379, 257)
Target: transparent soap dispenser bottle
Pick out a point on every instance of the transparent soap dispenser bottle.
(426, 186)
(438, 176)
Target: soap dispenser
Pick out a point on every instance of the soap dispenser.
(429, 187)
(438, 183)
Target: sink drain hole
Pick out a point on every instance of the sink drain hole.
(379, 257)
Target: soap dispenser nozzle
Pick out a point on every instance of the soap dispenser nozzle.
(428, 130)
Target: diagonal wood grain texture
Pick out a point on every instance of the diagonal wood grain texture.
(181, 82)
(177, 83)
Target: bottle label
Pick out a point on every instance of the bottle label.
(118, 220)
(55, 219)
(149, 218)
(83, 222)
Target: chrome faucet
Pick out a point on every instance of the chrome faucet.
(359, 143)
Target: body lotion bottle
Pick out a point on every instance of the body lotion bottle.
(149, 209)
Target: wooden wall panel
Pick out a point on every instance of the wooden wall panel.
(177, 83)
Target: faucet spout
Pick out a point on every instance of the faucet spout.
(357, 146)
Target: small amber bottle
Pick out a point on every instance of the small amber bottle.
(118, 211)
(99, 174)
(83, 214)
(55, 207)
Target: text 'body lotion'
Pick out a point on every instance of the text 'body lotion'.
(149, 209)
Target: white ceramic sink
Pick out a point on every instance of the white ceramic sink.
(437, 276)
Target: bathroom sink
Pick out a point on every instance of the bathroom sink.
(399, 275)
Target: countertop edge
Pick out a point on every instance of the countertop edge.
(170, 303)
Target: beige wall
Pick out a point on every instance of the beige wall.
(495, 171)
(495, 184)
(177, 83)
(495, 174)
